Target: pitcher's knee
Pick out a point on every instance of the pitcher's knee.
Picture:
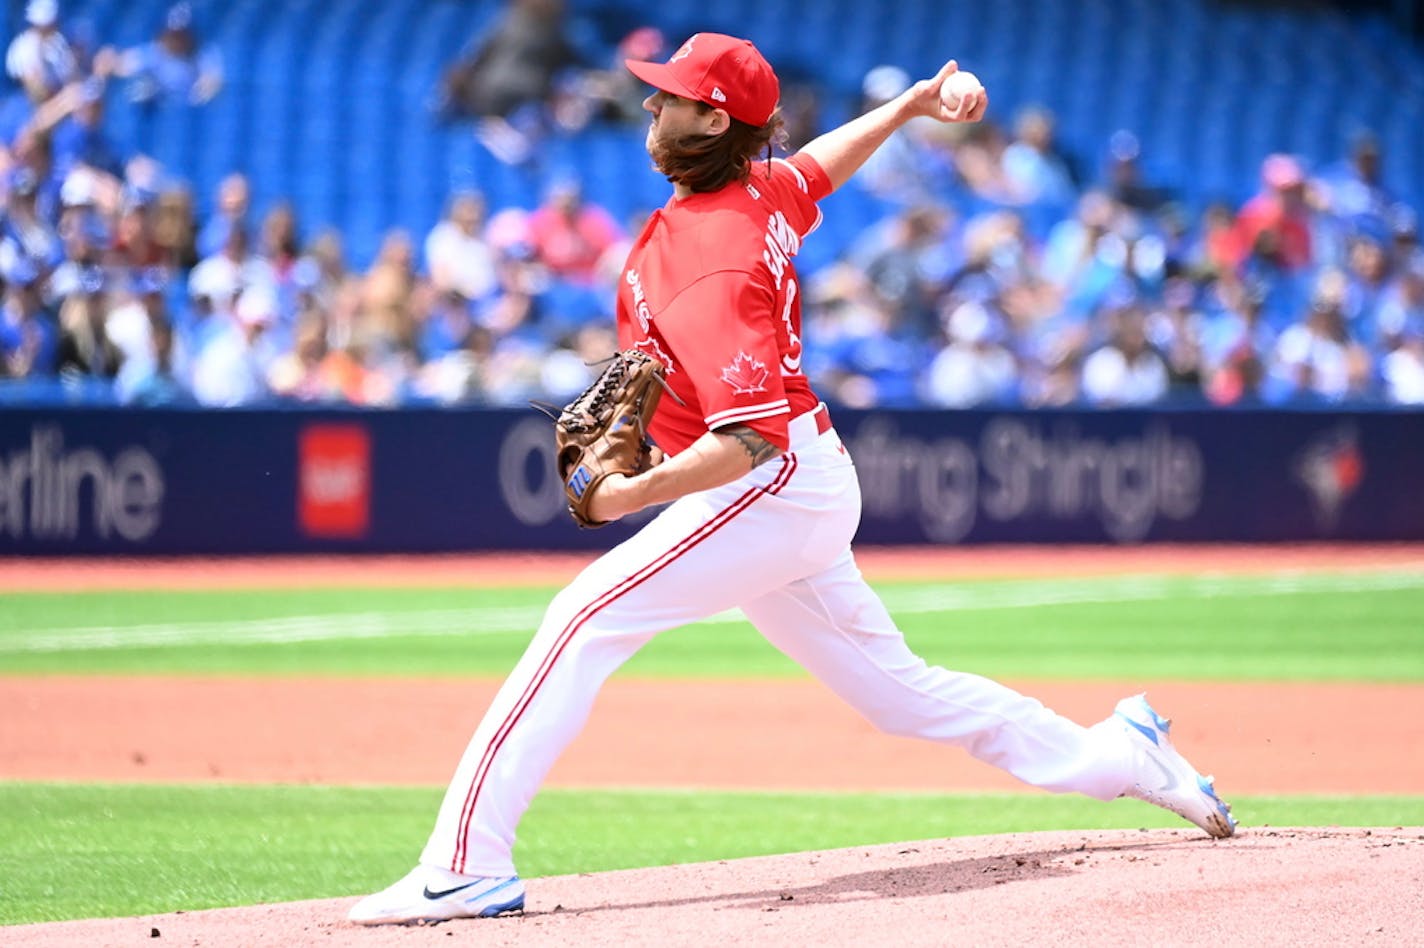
(897, 722)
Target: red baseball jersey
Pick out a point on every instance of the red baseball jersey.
(709, 290)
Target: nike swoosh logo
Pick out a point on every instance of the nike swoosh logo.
(1169, 779)
(445, 892)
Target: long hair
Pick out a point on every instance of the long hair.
(711, 162)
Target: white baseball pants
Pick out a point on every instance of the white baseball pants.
(777, 544)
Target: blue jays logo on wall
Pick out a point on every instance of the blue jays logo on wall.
(1331, 468)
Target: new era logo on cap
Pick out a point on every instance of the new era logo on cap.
(719, 70)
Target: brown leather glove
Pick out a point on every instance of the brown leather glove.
(605, 430)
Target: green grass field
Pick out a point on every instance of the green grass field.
(165, 848)
(1298, 627)
(162, 848)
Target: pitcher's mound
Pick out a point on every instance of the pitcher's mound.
(1153, 887)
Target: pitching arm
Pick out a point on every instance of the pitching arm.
(842, 150)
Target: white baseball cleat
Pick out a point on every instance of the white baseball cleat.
(1164, 778)
(428, 894)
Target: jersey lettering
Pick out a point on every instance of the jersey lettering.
(781, 245)
(640, 302)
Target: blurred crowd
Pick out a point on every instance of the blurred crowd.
(996, 270)
(1003, 273)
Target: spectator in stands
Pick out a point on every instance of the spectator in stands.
(1053, 382)
(351, 369)
(159, 385)
(213, 289)
(130, 326)
(85, 349)
(1275, 224)
(1237, 343)
(278, 251)
(174, 228)
(1403, 369)
(301, 373)
(873, 359)
(979, 162)
(86, 237)
(974, 368)
(232, 368)
(1212, 251)
(1037, 173)
(82, 138)
(460, 375)
(570, 368)
(222, 276)
(28, 339)
(26, 230)
(1353, 190)
(508, 78)
(1315, 358)
(234, 200)
(801, 107)
(1124, 180)
(569, 233)
(900, 258)
(1404, 235)
(1174, 329)
(40, 58)
(457, 256)
(175, 66)
(1172, 226)
(135, 243)
(447, 322)
(613, 94)
(1401, 309)
(514, 64)
(279, 241)
(325, 266)
(387, 297)
(1085, 255)
(1367, 271)
(1127, 370)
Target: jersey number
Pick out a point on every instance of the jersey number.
(791, 361)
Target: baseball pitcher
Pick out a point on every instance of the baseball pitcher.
(762, 498)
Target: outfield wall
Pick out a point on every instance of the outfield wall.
(170, 482)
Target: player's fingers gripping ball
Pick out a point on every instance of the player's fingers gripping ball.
(959, 93)
(605, 430)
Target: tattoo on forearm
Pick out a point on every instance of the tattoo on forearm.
(760, 449)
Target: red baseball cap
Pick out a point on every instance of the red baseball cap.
(723, 71)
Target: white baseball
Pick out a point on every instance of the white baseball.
(959, 84)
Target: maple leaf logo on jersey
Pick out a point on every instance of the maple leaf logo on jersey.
(746, 375)
(650, 347)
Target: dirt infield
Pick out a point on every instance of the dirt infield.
(1269, 887)
(775, 735)
(70, 574)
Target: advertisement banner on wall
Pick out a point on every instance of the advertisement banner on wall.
(171, 482)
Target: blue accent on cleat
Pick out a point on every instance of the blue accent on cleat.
(1143, 729)
(515, 905)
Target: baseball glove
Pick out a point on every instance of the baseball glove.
(605, 430)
